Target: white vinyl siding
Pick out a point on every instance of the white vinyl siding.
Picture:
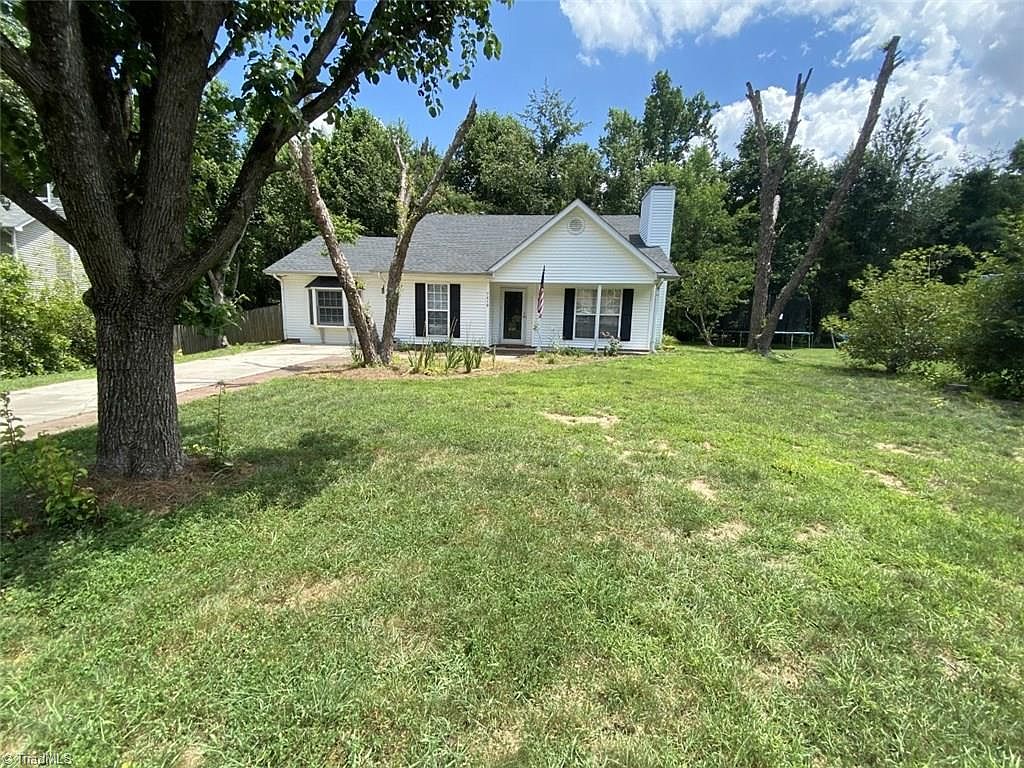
(589, 258)
(657, 210)
(474, 308)
(48, 258)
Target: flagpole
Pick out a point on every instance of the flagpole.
(538, 313)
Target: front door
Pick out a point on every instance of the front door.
(512, 317)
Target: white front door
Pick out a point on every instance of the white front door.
(512, 326)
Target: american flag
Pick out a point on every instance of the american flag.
(540, 294)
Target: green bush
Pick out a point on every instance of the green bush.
(48, 472)
(65, 314)
(902, 317)
(45, 331)
(990, 346)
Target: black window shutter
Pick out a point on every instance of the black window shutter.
(626, 321)
(455, 308)
(312, 321)
(421, 309)
(568, 313)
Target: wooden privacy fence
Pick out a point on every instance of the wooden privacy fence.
(262, 324)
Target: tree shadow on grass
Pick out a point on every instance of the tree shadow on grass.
(287, 476)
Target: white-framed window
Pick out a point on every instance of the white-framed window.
(438, 313)
(611, 312)
(330, 306)
(590, 317)
(586, 313)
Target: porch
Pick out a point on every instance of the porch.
(627, 312)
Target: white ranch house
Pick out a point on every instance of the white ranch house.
(476, 278)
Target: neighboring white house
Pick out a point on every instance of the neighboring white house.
(476, 278)
(49, 258)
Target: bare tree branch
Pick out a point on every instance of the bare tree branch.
(409, 215)
(32, 205)
(325, 43)
(423, 202)
(17, 65)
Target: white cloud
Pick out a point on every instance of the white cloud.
(765, 55)
(962, 58)
(588, 60)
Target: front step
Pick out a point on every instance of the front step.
(518, 350)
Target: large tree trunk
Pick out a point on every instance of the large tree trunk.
(137, 405)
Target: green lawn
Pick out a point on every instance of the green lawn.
(27, 382)
(760, 563)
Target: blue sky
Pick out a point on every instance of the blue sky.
(960, 60)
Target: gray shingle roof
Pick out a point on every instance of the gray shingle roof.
(13, 215)
(447, 243)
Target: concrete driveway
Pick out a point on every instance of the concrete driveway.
(70, 404)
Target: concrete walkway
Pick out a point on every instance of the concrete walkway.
(71, 404)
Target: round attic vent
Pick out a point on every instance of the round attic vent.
(576, 225)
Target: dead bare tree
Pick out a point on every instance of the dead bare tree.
(410, 212)
(768, 200)
(366, 330)
(377, 348)
(764, 321)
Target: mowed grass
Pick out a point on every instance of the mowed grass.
(737, 562)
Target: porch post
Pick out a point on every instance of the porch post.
(597, 318)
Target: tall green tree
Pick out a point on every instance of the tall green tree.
(622, 152)
(672, 122)
(712, 260)
(894, 204)
(498, 166)
(116, 89)
(568, 169)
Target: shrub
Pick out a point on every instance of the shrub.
(902, 317)
(64, 312)
(48, 471)
(46, 331)
(990, 345)
(614, 345)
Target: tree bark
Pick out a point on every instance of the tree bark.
(853, 163)
(137, 405)
(366, 330)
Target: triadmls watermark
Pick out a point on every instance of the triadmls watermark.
(35, 758)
